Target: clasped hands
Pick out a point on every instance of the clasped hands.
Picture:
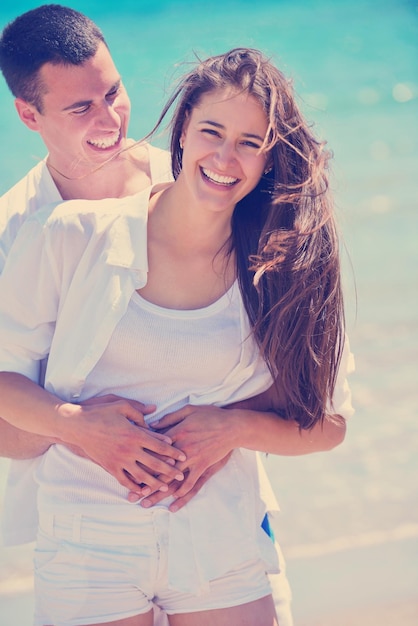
(173, 456)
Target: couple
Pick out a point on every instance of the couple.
(190, 299)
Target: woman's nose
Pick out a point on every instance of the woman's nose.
(225, 153)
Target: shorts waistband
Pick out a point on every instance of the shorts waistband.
(113, 529)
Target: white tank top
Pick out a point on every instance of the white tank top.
(165, 357)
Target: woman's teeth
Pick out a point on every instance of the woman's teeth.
(218, 179)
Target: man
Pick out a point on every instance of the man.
(67, 88)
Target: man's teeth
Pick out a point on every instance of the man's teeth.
(105, 142)
(217, 178)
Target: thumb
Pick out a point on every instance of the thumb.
(136, 412)
(148, 408)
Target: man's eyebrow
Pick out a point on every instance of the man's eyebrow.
(77, 105)
(83, 103)
(217, 125)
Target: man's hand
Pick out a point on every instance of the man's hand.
(175, 485)
(113, 434)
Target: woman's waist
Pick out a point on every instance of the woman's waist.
(67, 480)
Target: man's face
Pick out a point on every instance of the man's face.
(85, 114)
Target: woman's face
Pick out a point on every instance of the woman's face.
(221, 141)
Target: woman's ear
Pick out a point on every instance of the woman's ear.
(269, 164)
(28, 113)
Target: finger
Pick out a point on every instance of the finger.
(134, 497)
(181, 501)
(162, 437)
(140, 407)
(127, 481)
(195, 480)
(161, 444)
(156, 497)
(171, 419)
(143, 483)
(188, 484)
(166, 459)
(144, 409)
(158, 469)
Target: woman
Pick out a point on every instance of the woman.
(192, 296)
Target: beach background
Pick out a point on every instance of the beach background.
(349, 520)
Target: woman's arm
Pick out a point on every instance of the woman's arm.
(208, 435)
(210, 431)
(111, 432)
(264, 421)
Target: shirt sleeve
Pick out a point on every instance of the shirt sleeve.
(28, 302)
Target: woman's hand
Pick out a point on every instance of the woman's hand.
(174, 487)
(112, 432)
(206, 436)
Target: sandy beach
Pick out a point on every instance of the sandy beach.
(363, 586)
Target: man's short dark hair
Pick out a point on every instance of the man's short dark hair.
(50, 33)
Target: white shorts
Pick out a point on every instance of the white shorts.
(91, 571)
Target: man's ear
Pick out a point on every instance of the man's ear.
(28, 113)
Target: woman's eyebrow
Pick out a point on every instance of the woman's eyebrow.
(248, 135)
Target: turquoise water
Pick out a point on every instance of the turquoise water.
(355, 68)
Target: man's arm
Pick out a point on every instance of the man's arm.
(19, 444)
(111, 431)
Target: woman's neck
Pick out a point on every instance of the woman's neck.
(191, 229)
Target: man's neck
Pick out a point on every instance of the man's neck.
(125, 175)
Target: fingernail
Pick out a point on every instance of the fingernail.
(146, 503)
(182, 457)
(163, 488)
(146, 491)
(179, 476)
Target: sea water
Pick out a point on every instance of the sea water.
(355, 67)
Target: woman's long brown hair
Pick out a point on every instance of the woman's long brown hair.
(283, 234)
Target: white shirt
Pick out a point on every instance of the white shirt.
(38, 188)
(30, 194)
(53, 255)
(167, 357)
(78, 264)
